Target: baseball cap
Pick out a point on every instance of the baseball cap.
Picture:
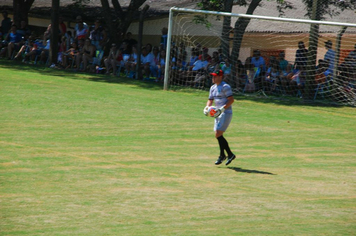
(217, 73)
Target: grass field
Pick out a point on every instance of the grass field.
(93, 155)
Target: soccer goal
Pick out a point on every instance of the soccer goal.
(273, 56)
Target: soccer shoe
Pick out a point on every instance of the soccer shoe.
(220, 160)
(230, 159)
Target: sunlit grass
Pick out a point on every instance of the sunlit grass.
(93, 155)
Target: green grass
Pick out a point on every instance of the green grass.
(94, 155)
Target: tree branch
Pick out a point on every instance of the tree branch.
(117, 7)
(28, 4)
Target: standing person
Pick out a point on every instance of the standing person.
(164, 37)
(5, 24)
(221, 93)
(329, 55)
(81, 29)
(301, 55)
(98, 35)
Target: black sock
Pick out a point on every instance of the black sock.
(221, 145)
(224, 145)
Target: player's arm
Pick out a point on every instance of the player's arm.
(230, 101)
(209, 103)
(220, 110)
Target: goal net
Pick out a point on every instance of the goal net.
(314, 60)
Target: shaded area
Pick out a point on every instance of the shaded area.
(70, 74)
(237, 169)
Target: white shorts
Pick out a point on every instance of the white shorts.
(222, 122)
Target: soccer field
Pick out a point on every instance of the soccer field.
(87, 154)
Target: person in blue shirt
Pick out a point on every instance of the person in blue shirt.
(329, 55)
(14, 40)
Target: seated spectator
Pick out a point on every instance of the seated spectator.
(44, 56)
(297, 82)
(182, 53)
(200, 78)
(130, 41)
(216, 57)
(24, 29)
(352, 56)
(69, 39)
(198, 69)
(241, 75)
(272, 76)
(258, 62)
(205, 52)
(147, 61)
(34, 52)
(286, 76)
(26, 48)
(226, 68)
(348, 71)
(14, 40)
(194, 57)
(131, 63)
(156, 59)
(62, 49)
(113, 60)
(282, 61)
(321, 72)
(98, 35)
(86, 55)
(149, 48)
(161, 65)
(70, 55)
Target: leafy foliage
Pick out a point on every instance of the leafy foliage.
(329, 7)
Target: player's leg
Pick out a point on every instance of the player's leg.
(221, 124)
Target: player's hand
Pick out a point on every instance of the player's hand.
(206, 110)
(219, 111)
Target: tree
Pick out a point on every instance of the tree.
(118, 20)
(21, 10)
(316, 10)
(240, 25)
(53, 52)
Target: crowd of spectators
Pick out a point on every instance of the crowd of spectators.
(82, 49)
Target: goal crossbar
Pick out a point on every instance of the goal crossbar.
(331, 23)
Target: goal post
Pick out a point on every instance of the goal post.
(270, 58)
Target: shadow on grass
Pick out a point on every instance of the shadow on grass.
(151, 85)
(71, 74)
(237, 169)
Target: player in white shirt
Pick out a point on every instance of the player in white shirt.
(221, 93)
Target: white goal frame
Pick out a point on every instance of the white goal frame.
(185, 10)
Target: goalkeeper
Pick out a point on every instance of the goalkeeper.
(221, 94)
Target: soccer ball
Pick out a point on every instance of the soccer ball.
(212, 111)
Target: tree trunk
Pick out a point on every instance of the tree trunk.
(239, 31)
(139, 44)
(118, 22)
(53, 52)
(225, 43)
(312, 53)
(21, 9)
